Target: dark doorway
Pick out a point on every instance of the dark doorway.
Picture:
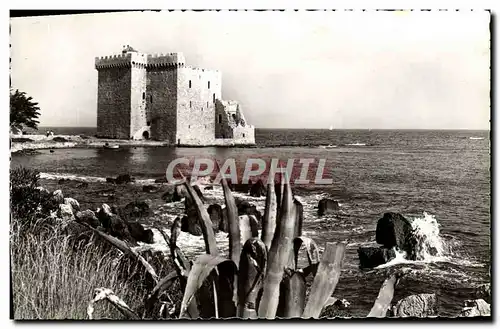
(145, 135)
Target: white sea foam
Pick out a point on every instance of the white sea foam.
(476, 138)
(356, 144)
(57, 176)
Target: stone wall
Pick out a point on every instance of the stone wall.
(197, 90)
(138, 117)
(161, 102)
(113, 102)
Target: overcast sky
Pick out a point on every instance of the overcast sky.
(426, 70)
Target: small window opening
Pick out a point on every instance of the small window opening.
(208, 84)
(189, 83)
(220, 118)
(143, 95)
(189, 126)
(214, 98)
(243, 135)
(207, 104)
(234, 117)
(190, 104)
(148, 123)
(151, 98)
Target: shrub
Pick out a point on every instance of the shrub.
(28, 202)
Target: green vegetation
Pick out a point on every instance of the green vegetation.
(23, 111)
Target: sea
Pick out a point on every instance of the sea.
(439, 179)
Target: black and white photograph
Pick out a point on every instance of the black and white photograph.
(250, 164)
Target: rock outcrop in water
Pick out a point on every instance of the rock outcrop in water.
(247, 208)
(394, 230)
(327, 206)
(370, 257)
(258, 189)
(421, 305)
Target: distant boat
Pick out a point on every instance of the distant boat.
(107, 146)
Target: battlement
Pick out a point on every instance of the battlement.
(170, 59)
(199, 69)
(121, 60)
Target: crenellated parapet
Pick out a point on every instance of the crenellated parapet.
(166, 60)
(131, 59)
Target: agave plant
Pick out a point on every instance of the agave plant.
(260, 278)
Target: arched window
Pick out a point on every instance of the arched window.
(189, 83)
(208, 84)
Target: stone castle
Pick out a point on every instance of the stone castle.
(159, 97)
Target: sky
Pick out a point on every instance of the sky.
(346, 69)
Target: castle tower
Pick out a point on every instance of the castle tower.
(121, 96)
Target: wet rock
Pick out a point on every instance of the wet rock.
(394, 230)
(62, 181)
(66, 212)
(119, 228)
(123, 179)
(89, 217)
(139, 233)
(73, 203)
(327, 206)
(477, 307)
(104, 215)
(191, 225)
(258, 189)
(43, 190)
(161, 180)
(370, 257)
(483, 291)
(149, 189)
(135, 209)
(421, 305)
(110, 180)
(179, 193)
(247, 208)
(58, 196)
(217, 217)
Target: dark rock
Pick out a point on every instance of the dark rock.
(119, 228)
(421, 305)
(179, 193)
(327, 206)
(209, 187)
(149, 189)
(89, 217)
(161, 180)
(191, 225)
(258, 189)
(138, 232)
(370, 257)
(217, 217)
(110, 180)
(62, 181)
(104, 215)
(393, 230)
(135, 209)
(247, 208)
(123, 179)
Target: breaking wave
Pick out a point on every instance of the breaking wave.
(476, 138)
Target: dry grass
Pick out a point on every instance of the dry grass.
(53, 279)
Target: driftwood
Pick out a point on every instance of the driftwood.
(107, 294)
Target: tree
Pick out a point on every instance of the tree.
(23, 111)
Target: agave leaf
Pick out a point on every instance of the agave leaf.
(253, 264)
(248, 227)
(270, 213)
(327, 277)
(182, 264)
(292, 295)
(108, 294)
(201, 269)
(384, 298)
(299, 217)
(163, 285)
(279, 255)
(310, 247)
(204, 220)
(122, 246)
(233, 221)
